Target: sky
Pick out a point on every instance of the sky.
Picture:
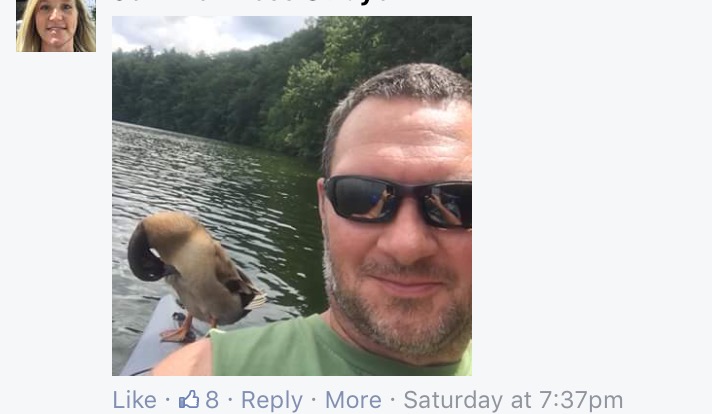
(191, 34)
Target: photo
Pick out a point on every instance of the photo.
(55, 26)
(291, 195)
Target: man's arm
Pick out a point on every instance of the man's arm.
(193, 359)
(449, 217)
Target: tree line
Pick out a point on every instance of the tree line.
(279, 96)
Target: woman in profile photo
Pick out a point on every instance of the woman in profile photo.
(56, 26)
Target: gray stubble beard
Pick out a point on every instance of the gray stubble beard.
(453, 328)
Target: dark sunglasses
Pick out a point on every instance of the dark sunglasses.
(372, 200)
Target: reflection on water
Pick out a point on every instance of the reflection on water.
(260, 206)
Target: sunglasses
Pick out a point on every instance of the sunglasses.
(371, 200)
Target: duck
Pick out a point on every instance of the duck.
(207, 282)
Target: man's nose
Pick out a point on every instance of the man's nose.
(407, 238)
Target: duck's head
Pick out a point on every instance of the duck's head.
(144, 264)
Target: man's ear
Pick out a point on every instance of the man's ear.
(321, 195)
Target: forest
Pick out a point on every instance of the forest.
(279, 96)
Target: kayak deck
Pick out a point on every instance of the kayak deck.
(149, 349)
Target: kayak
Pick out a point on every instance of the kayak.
(149, 349)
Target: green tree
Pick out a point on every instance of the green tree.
(279, 96)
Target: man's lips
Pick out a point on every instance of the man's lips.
(409, 287)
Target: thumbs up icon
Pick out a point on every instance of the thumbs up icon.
(189, 401)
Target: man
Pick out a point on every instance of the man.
(397, 258)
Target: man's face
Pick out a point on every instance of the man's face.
(403, 284)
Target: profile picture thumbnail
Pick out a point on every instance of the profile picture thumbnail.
(55, 26)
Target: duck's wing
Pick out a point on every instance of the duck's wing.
(236, 281)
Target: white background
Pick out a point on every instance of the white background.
(593, 200)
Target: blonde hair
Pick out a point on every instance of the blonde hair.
(28, 40)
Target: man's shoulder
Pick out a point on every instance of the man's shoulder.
(258, 334)
(278, 348)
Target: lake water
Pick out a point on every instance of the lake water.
(261, 206)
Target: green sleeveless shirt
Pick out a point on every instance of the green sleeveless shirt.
(307, 346)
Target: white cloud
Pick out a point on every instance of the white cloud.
(194, 33)
(120, 42)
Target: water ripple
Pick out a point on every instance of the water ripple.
(260, 206)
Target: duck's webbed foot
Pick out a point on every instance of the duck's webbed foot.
(182, 334)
